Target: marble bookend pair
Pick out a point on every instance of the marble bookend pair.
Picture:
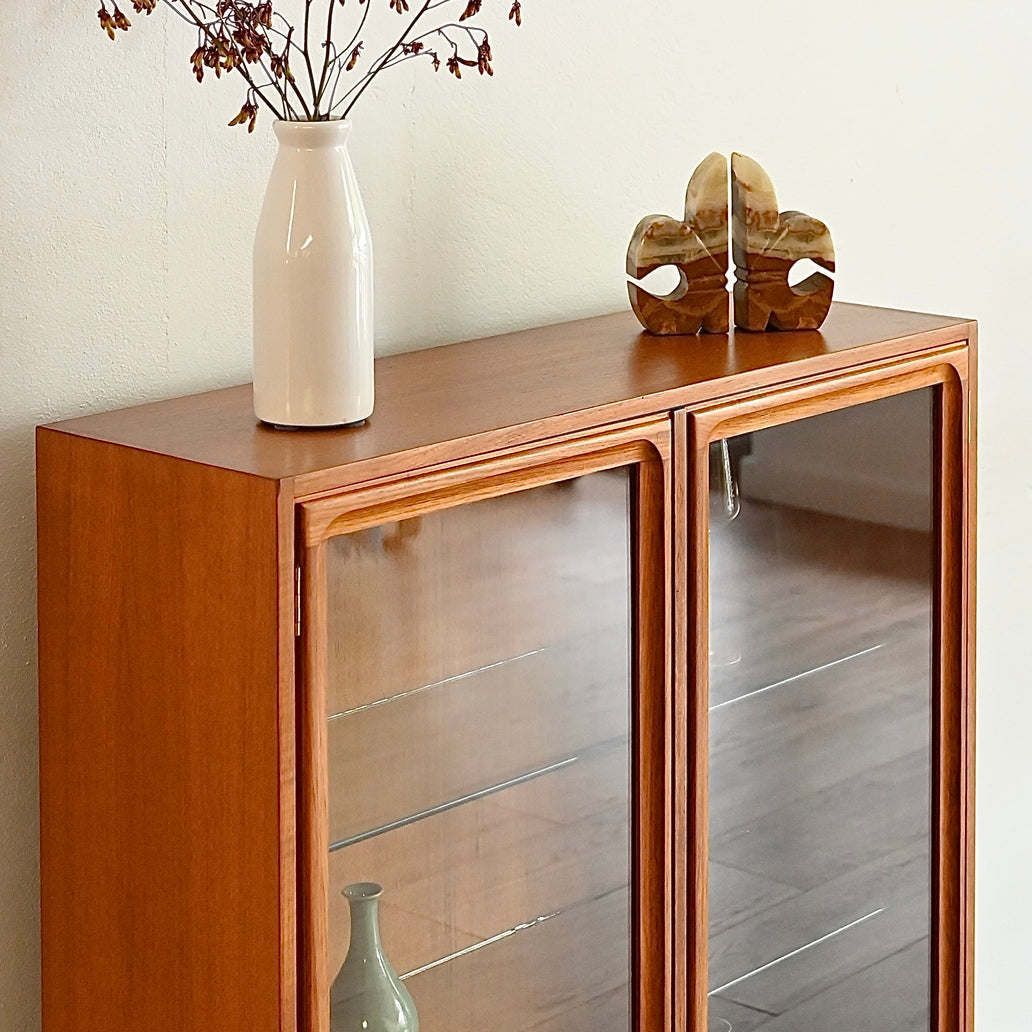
(765, 244)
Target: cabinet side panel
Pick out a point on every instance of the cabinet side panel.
(159, 743)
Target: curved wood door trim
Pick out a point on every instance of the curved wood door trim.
(949, 369)
(760, 411)
(646, 447)
(494, 475)
(953, 910)
(969, 557)
(654, 737)
(313, 825)
(287, 662)
(687, 889)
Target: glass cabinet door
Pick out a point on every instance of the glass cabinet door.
(480, 744)
(822, 595)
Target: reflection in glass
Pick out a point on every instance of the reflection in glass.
(819, 868)
(725, 505)
(479, 698)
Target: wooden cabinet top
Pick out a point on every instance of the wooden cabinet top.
(446, 402)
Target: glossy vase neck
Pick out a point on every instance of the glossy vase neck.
(364, 903)
(367, 995)
(312, 135)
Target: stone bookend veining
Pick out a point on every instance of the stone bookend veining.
(766, 244)
(697, 248)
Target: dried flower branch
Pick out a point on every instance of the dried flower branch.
(258, 43)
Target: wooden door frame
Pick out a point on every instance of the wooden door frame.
(646, 447)
(950, 371)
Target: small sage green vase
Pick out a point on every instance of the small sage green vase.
(368, 995)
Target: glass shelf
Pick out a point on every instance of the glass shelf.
(482, 793)
(468, 873)
(475, 734)
(487, 669)
(564, 972)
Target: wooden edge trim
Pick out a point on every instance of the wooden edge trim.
(549, 431)
(970, 610)
(313, 800)
(762, 411)
(549, 428)
(955, 729)
(697, 439)
(397, 499)
(652, 906)
(683, 909)
(472, 451)
(287, 641)
(949, 911)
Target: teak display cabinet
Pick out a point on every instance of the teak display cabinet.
(638, 671)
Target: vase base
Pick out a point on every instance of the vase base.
(322, 426)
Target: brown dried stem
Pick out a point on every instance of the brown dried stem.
(241, 67)
(388, 54)
(234, 35)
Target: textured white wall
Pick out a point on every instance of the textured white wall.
(126, 214)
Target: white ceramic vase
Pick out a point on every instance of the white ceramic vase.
(313, 285)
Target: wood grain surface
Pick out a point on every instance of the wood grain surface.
(313, 791)
(683, 668)
(177, 893)
(953, 715)
(464, 399)
(161, 786)
(658, 892)
(968, 463)
(444, 487)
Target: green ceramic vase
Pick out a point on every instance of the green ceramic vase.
(367, 995)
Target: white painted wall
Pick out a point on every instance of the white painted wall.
(126, 214)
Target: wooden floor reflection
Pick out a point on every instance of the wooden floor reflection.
(480, 759)
(509, 910)
(819, 774)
